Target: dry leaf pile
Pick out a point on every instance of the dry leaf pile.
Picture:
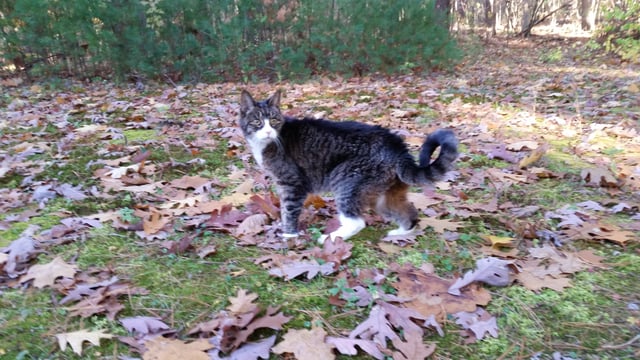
(404, 307)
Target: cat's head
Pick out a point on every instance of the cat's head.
(260, 121)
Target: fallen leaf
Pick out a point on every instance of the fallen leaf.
(499, 151)
(422, 201)
(249, 351)
(190, 182)
(242, 302)
(505, 177)
(523, 145)
(118, 172)
(440, 225)
(160, 348)
(206, 251)
(241, 194)
(306, 344)
(86, 289)
(335, 251)
(429, 295)
(591, 205)
(479, 322)
(376, 327)
(413, 348)
(294, 269)
(71, 192)
(590, 258)
(265, 204)
(272, 320)
(500, 241)
(20, 251)
(533, 157)
(154, 223)
(76, 338)
(390, 249)
(252, 225)
(143, 325)
(535, 283)
(599, 177)
(316, 201)
(492, 271)
(402, 240)
(46, 275)
(347, 346)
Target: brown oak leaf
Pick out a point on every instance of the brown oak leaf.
(429, 295)
(19, 252)
(249, 351)
(296, 268)
(46, 275)
(599, 177)
(347, 346)
(76, 338)
(160, 348)
(491, 270)
(306, 344)
(376, 327)
(479, 322)
(413, 348)
(144, 325)
(243, 302)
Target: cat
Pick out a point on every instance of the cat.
(364, 166)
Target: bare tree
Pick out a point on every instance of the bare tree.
(588, 11)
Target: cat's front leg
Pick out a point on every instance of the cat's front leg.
(291, 203)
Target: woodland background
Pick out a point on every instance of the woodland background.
(134, 222)
(199, 40)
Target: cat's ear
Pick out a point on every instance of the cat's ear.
(246, 102)
(274, 100)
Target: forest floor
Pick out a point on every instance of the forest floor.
(134, 223)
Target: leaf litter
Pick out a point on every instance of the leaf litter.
(405, 303)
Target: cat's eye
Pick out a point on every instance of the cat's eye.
(273, 122)
(255, 122)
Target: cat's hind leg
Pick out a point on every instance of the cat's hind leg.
(349, 226)
(350, 203)
(394, 206)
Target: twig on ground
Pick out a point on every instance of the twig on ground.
(621, 346)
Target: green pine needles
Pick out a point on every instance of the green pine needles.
(201, 40)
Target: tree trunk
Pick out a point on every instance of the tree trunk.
(528, 12)
(443, 7)
(490, 15)
(588, 10)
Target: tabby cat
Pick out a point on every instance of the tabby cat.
(364, 166)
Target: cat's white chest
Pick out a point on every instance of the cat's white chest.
(260, 139)
(257, 147)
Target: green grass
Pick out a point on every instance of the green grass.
(185, 290)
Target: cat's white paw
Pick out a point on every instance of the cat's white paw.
(402, 231)
(322, 239)
(289, 236)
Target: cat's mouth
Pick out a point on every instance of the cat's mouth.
(265, 134)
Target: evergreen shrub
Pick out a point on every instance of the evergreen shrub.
(203, 40)
(619, 31)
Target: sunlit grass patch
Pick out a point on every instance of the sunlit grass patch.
(137, 136)
(573, 320)
(28, 321)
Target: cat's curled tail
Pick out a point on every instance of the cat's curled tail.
(427, 171)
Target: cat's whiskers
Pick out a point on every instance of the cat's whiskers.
(279, 144)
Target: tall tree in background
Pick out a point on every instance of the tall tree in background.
(444, 8)
(588, 11)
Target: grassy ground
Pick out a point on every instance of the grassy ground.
(562, 95)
